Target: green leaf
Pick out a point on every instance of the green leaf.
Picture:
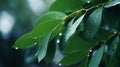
(43, 48)
(113, 46)
(53, 15)
(76, 43)
(94, 21)
(43, 29)
(96, 57)
(71, 28)
(50, 51)
(72, 58)
(112, 3)
(25, 41)
(76, 49)
(66, 5)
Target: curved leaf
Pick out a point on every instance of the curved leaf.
(72, 26)
(72, 58)
(53, 15)
(94, 21)
(43, 48)
(76, 49)
(43, 29)
(112, 3)
(66, 5)
(76, 43)
(50, 51)
(96, 57)
(25, 41)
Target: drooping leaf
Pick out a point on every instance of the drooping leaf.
(43, 48)
(112, 3)
(53, 15)
(50, 51)
(66, 5)
(96, 57)
(72, 58)
(25, 41)
(76, 43)
(43, 29)
(76, 48)
(115, 62)
(94, 21)
(113, 46)
(71, 28)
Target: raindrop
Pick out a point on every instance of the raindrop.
(60, 34)
(115, 32)
(90, 50)
(35, 43)
(60, 64)
(58, 41)
(16, 48)
(88, 1)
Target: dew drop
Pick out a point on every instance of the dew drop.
(60, 34)
(90, 50)
(88, 1)
(35, 43)
(58, 41)
(16, 48)
(60, 64)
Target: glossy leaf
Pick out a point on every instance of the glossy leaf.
(113, 46)
(66, 5)
(94, 21)
(72, 26)
(25, 41)
(43, 29)
(53, 15)
(72, 58)
(76, 43)
(76, 49)
(112, 3)
(43, 48)
(50, 51)
(96, 57)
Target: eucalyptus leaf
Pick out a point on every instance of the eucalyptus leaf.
(50, 51)
(43, 29)
(72, 26)
(94, 21)
(112, 3)
(113, 46)
(52, 15)
(66, 5)
(43, 48)
(25, 41)
(76, 43)
(96, 57)
(72, 58)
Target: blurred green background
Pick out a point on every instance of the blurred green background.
(16, 18)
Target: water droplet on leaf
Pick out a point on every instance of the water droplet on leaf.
(60, 64)
(90, 50)
(58, 41)
(60, 34)
(16, 48)
(88, 1)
